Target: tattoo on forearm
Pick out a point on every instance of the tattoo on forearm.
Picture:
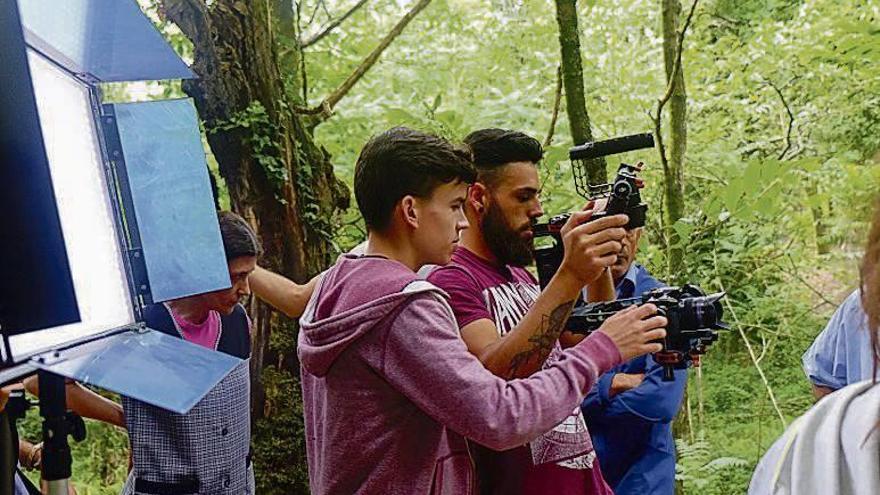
(544, 339)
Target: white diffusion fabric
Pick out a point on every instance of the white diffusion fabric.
(84, 207)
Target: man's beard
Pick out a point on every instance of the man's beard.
(505, 242)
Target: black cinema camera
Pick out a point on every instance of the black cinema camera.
(623, 196)
(693, 316)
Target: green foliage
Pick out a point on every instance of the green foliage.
(699, 472)
(282, 436)
(755, 215)
(261, 134)
(279, 436)
(781, 173)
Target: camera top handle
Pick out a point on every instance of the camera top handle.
(598, 149)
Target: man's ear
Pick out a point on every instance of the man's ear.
(478, 197)
(408, 211)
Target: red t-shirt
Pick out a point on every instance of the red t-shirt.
(560, 462)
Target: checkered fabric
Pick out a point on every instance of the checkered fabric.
(204, 451)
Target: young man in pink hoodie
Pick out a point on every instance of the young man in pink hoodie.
(391, 392)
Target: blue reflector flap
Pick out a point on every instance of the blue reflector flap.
(152, 367)
(109, 40)
(173, 204)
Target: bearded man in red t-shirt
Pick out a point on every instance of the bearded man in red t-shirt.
(494, 297)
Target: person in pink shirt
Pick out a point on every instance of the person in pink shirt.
(206, 450)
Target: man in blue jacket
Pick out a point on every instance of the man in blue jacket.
(630, 410)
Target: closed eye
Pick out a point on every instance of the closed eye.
(526, 194)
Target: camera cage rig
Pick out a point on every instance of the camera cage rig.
(622, 194)
(693, 320)
(580, 155)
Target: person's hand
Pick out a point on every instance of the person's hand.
(625, 381)
(4, 398)
(590, 247)
(633, 330)
(640, 182)
(30, 455)
(596, 205)
(5, 392)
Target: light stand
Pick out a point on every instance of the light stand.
(57, 424)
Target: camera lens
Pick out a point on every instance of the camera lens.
(701, 312)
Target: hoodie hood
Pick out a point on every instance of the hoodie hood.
(351, 298)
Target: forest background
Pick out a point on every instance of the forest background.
(778, 176)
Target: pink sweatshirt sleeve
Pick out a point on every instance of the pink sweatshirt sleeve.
(426, 360)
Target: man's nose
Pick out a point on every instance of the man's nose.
(537, 210)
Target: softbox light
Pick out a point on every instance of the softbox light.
(107, 208)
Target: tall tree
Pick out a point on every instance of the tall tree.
(573, 82)
(278, 178)
(673, 160)
(572, 77)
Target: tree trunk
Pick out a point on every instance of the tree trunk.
(573, 81)
(674, 183)
(673, 173)
(291, 59)
(281, 182)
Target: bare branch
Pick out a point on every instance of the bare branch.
(326, 106)
(324, 8)
(670, 89)
(790, 125)
(302, 65)
(726, 20)
(318, 6)
(311, 40)
(795, 273)
(556, 103)
(751, 351)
